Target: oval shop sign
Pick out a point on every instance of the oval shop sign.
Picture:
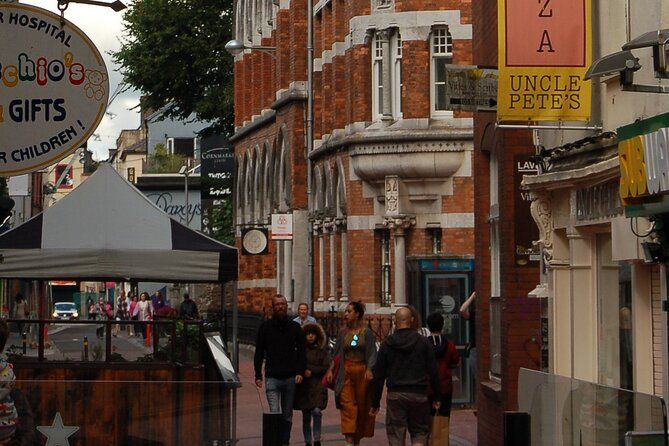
(53, 88)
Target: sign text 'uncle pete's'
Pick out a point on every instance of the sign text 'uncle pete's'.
(53, 88)
(544, 52)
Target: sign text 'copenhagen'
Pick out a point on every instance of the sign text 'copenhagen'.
(53, 88)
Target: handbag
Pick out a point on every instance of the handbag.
(335, 370)
(439, 431)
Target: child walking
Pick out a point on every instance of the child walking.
(447, 359)
(311, 397)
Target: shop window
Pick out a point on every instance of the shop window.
(495, 277)
(614, 314)
(386, 297)
(441, 49)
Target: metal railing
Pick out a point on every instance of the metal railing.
(175, 341)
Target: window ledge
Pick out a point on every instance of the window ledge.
(492, 390)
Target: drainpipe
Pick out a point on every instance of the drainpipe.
(310, 142)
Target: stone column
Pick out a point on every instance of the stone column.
(384, 36)
(332, 231)
(400, 224)
(341, 222)
(318, 229)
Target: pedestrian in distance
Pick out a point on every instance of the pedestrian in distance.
(157, 301)
(280, 344)
(133, 314)
(311, 397)
(303, 317)
(21, 311)
(144, 312)
(188, 308)
(407, 364)
(355, 352)
(447, 358)
(121, 312)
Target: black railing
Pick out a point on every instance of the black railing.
(184, 337)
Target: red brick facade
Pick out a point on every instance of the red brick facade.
(520, 316)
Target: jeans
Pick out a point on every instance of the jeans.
(307, 415)
(407, 411)
(280, 396)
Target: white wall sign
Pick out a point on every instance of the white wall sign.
(53, 88)
(282, 226)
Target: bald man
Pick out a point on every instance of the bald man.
(407, 365)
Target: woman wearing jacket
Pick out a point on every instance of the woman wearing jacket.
(311, 397)
(356, 349)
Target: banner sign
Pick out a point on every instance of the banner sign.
(217, 169)
(53, 88)
(282, 226)
(643, 148)
(470, 88)
(545, 49)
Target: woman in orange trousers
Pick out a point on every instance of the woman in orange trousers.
(356, 349)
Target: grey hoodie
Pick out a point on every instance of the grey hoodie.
(407, 363)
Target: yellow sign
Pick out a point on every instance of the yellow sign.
(643, 149)
(545, 48)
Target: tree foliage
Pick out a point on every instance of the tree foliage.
(173, 51)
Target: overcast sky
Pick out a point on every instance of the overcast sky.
(104, 27)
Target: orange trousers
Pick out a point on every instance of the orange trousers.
(356, 402)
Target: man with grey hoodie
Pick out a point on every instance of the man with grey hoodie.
(407, 364)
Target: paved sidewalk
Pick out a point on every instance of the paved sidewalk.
(249, 417)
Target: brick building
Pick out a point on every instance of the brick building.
(390, 219)
(508, 327)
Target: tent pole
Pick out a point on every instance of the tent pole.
(235, 358)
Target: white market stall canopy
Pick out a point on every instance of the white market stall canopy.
(107, 229)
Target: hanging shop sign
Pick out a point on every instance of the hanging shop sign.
(217, 169)
(282, 226)
(643, 149)
(53, 88)
(545, 50)
(526, 253)
(470, 88)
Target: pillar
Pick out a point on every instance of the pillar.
(333, 262)
(344, 263)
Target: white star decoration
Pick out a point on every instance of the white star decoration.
(57, 434)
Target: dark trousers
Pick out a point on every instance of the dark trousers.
(407, 411)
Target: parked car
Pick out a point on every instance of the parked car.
(65, 311)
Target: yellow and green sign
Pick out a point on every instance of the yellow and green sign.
(643, 148)
(545, 48)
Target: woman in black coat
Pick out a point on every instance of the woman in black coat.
(311, 397)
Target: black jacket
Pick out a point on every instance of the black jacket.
(407, 363)
(281, 344)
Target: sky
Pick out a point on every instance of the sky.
(104, 27)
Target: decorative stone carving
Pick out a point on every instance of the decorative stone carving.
(384, 3)
(541, 213)
(392, 195)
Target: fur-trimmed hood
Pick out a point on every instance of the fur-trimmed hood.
(321, 338)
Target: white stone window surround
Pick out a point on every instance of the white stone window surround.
(441, 52)
(377, 77)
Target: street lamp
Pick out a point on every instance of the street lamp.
(236, 47)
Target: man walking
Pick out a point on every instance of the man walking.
(303, 317)
(281, 345)
(188, 308)
(407, 363)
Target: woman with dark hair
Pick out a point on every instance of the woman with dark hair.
(356, 350)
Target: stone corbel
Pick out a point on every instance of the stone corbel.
(543, 217)
(329, 225)
(400, 223)
(340, 223)
(317, 225)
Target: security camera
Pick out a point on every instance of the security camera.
(653, 252)
(656, 40)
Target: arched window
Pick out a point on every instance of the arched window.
(330, 190)
(239, 190)
(319, 190)
(258, 183)
(267, 189)
(341, 190)
(285, 173)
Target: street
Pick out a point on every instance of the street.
(251, 400)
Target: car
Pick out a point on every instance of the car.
(65, 311)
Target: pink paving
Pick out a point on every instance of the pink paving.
(249, 417)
